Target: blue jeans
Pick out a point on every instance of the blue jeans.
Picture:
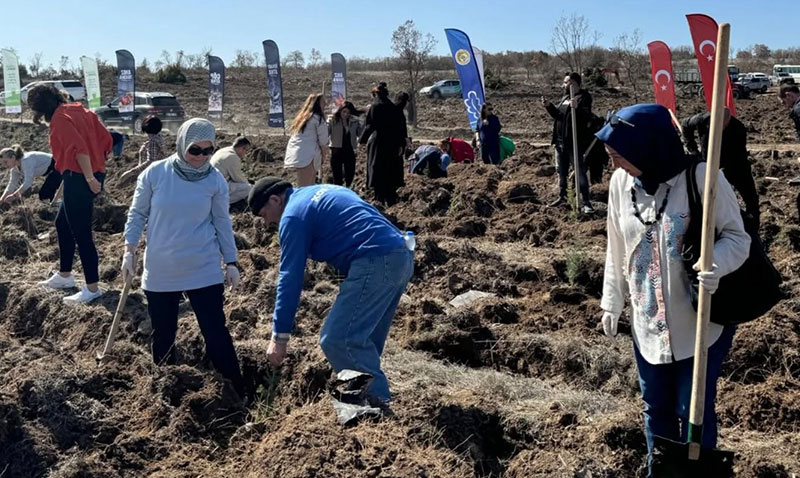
(357, 326)
(667, 390)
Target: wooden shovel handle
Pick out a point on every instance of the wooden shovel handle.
(112, 334)
(707, 242)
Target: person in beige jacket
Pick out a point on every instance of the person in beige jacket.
(228, 161)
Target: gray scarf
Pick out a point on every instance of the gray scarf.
(191, 132)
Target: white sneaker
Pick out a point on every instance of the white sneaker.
(83, 297)
(56, 281)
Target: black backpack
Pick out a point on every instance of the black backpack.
(746, 293)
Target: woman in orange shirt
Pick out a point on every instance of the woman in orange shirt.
(80, 146)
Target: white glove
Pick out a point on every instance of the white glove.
(232, 275)
(610, 321)
(128, 266)
(708, 280)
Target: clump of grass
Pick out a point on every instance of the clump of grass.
(264, 404)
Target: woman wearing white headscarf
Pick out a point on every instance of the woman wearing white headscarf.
(183, 201)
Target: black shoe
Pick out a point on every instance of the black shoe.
(558, 202)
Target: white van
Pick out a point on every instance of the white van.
(73, 88)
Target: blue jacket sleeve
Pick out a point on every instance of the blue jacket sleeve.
(295, 243)
(221, 219)
(140, 208)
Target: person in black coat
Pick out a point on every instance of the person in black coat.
(489, 133)
(562, 137)
(733, 157)
(385, 136)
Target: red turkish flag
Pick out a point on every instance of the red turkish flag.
(704, 36)
(661, 71)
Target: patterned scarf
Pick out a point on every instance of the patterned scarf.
(191, 132)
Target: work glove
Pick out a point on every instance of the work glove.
(708, 280)
(128, 266)
(232, 275)
(610, 321)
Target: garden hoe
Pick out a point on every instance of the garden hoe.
(101, 356)
(685, 460)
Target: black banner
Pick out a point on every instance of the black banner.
(216, 87)
(274, 85)
(126, 84)
(338, 80)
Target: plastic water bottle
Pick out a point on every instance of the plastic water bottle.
(411, 241)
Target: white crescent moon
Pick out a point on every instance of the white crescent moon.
(663, 72)
(707, 42)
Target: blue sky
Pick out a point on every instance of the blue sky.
(357, 27)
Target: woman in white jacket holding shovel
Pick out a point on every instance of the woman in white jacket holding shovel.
(648, 215)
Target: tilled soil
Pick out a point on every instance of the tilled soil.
(522, 384)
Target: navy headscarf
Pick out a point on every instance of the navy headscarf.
(652, 144)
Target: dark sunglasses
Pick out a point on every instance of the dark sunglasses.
(614, 120)
(195, 150)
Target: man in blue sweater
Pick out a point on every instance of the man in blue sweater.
(333, 224)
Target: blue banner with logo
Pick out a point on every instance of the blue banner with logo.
(468, 74)
(274, 84)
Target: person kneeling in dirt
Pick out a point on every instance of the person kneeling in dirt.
(26, 166)
(733, 157)
(431, 158)
(457, 150)
(648, 207)
(228, 161)
(183, 203)
(333, 224)
(151, 150)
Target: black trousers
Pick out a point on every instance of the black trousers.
(343, 165)
(51, 183)
(207, 304)
(74, 225)
(564, 160)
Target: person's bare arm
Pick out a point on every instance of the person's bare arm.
(86, 167)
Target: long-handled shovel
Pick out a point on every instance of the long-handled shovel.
(575, 154)
(112, 334)
(672, 459)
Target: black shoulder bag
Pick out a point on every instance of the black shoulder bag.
(743, 295)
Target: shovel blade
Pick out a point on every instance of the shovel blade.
(671, 459)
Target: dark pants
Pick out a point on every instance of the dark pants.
(490, 153)
(207, 305)
(74, 225)
(667, 391)
(51, 183)
(564, 160)
(343, 165)
(117, 147)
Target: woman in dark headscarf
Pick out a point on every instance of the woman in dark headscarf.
(648, 214)
(384, 151)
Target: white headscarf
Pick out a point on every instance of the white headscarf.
(193, 131)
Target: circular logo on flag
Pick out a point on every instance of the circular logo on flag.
(462, 57)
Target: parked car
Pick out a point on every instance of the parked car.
(165, 106)
(73, 89)
(755, 81)
(739, 90)
(442, 89)
(782, 78)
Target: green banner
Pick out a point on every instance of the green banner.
(11, 95)
(92, 80)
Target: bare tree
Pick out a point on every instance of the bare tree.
(571, 39)
(630, 56)
(63, 65)
(413, 49)
(314, 58)
(243, 59)
(761, 51)
(166, 57)
(35, 65)
(295, 58)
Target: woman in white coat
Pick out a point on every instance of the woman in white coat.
(307, 146)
